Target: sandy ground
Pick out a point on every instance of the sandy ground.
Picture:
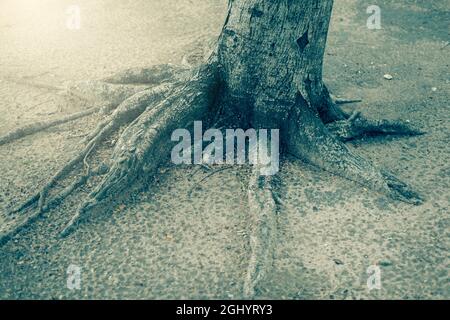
(165, 243)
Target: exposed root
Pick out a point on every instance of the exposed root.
(43, 125)
(34, 84)
(338, 101)
(28, 220)
(209, 175)
(347, 127)
(328, 108)
(262, 211)
(124, 114)
(152, 75)
(310, 140)
(143, 145)
(80, 181)
(129, 110)
(153, 114)
(106, 93)
(357, 126)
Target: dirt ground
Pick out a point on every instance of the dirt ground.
(167, 243)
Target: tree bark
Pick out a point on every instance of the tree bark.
(271, 57)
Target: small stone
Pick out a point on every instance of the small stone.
(388, 77)
(434, 89)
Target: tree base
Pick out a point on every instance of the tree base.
(174, 97)
(356, 127)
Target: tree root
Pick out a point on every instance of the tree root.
(124, 114)
(106, 94)
(79, 182)
(262, 211)
(109, 95)
(328, 108)
(153, 114)
(101, 92)
(34, 84)
(156, 74)
(357, 126)
(142, 146)
(157, 107)
(348, 127)
(340, 101)
(310, 140)
(43, 125)
(209, 175)
(129, 110)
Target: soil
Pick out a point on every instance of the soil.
(168, 242)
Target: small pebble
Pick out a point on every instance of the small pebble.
(388, 77)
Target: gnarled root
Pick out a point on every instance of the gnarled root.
(309, 139)
(357, 126)
(156, 74)
(347, 127)
(262, 212)
(105, 95)
(43, 125)
(127, 112)
(91, 91)
(79, 182)
(144, 143)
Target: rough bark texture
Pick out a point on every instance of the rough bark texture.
(271, 52)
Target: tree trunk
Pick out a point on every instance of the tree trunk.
(271, 57)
